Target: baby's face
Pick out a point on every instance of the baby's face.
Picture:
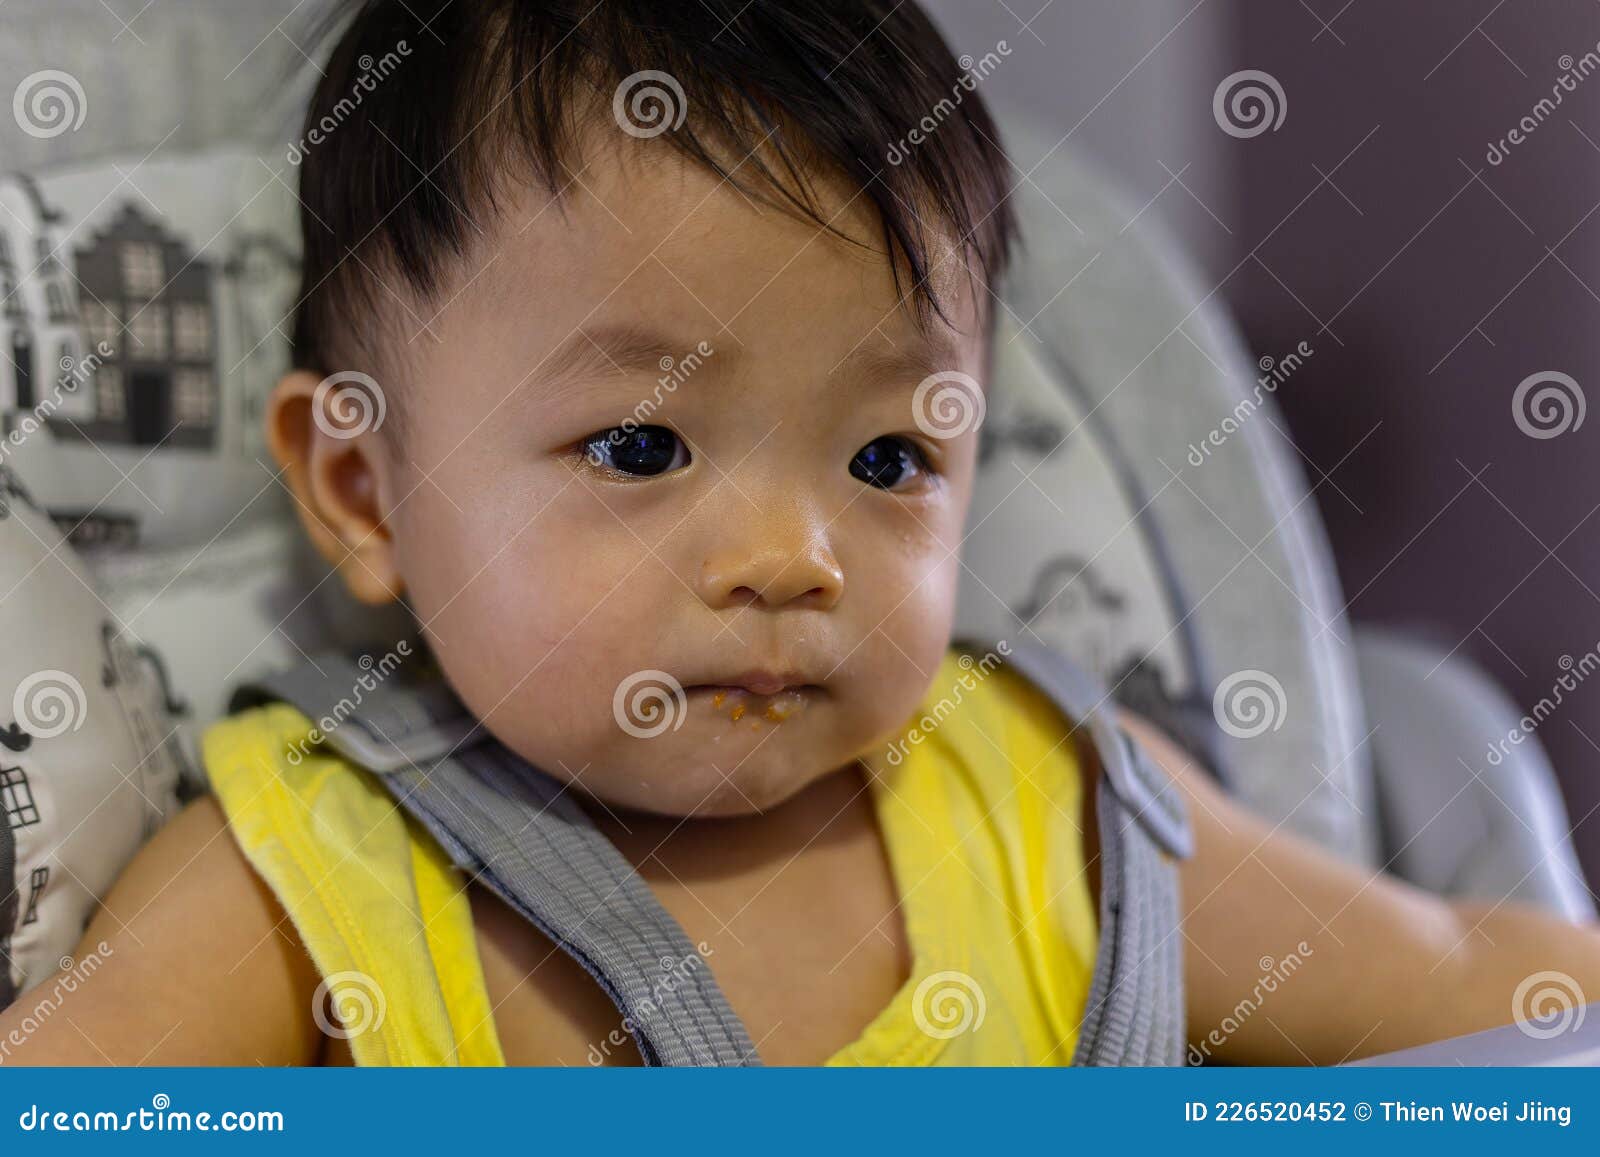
(668, 503)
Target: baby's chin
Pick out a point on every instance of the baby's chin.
(711, 753)
(700, 753)
(688, 775)
(704, 791)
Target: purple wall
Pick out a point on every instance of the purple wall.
(1432, 283)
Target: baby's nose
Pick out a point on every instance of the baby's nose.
(774, 570)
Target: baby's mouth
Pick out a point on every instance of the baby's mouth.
(754, 701)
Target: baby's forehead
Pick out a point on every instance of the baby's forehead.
(643, 236)
(643, 203)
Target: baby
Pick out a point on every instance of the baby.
(648, 318)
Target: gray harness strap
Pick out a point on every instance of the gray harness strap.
(1135, 1012)
(509, 824)
(504, 822)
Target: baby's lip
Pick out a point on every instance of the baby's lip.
(762, 682)
(758, 696)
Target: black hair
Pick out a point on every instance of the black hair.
(426, 108)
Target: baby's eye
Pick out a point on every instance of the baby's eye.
(888, 462)
(642, 451)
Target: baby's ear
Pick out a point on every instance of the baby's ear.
(334, 464)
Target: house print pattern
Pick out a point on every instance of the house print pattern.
(39, 324)
(148, 300)
(138, 338)
(17, 798)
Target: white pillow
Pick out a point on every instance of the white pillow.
(90, 755)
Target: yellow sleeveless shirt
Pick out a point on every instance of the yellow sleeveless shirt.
(979, 804)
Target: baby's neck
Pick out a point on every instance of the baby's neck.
(690, 847)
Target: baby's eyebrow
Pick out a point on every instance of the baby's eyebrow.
(618, 349)
(611, 350)
(892, 363)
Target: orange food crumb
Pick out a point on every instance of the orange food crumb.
(738, 712)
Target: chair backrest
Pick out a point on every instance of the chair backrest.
(1141, 507)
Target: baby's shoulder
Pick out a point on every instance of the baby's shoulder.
(191, 951)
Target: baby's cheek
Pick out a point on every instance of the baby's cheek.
(902, 597)
(556, 621)
(913, 568)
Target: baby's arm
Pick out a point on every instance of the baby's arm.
(1389, 965)
(200, 966)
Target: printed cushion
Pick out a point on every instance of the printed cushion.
(89, 750)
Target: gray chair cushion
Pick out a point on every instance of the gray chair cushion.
(1463, 811)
